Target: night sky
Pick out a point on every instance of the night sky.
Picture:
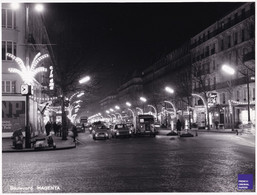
(129, 36)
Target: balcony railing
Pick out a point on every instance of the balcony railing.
(249, 56)
(223, 28)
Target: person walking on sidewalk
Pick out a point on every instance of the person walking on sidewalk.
(48, 128)
(75, 133)
(178, 125)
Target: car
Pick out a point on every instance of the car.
(100, 131)
(80, 128)
(121, 130)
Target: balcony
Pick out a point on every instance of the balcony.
(225, 27)
(249, 56)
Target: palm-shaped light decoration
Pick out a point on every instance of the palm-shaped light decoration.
(28, 73)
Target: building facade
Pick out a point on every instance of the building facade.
(229, 41)
(203, 93)
(23, 35)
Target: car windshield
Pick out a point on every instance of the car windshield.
(121, 126)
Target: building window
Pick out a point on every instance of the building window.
(252, 31)
(238, 95)
(229, 41)
(8, 18)
(236, 17)
(214, 82)
(245, 94)
(214, 64)
(243, 35)
(222, 45)
(243, 13)
(229, 57)
(8, 47)
(9, 86)
(207, 51)
(253, 93)
(223, 98)
(235, 38)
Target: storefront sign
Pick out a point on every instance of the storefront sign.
(212, 99)
(51, 83)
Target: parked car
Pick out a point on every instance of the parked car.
(100, 131)
(121, 130)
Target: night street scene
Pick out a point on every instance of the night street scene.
(128, 97)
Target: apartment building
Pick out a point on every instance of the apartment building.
(229, 41)
(23, 35)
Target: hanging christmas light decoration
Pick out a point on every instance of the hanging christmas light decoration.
(28, 73)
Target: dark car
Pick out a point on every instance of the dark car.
(121, 130)
(80, 128)
(100, 131)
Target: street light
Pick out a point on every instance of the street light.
(143, 99)
(169, 90)
(117, 107)
(39, 7)
(231, 71)
(128, 104)
(84, 80)
(154, 111)
(111, 110)
(79, 95)
(227, 69)
(141, 110)
(107, 111)
(15, 6)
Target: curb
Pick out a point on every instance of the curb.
(41, 150)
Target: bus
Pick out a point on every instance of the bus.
(145, 125)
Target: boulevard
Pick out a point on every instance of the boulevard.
(209, 162)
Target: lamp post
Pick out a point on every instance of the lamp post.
(170, 91)
(143, 99)
(155, 111)
(141, 110)
(133, 114)
(64, 122)
(230, 71)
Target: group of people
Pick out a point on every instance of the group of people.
(55, 127)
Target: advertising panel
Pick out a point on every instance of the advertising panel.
(13, 115)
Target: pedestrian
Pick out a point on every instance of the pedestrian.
(48, 128)
(75, 132)
(59, 129)
(55, 127)
(216, 124)
(178, 126)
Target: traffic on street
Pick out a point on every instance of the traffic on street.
(209, 162)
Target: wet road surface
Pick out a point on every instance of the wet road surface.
(210, 162)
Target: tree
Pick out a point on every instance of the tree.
(200, 76)
(74, 60)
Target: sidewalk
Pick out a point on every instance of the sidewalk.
(60, 145)
(166, 131)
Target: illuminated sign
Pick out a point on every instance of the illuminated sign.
(212, 99)
(51, 83)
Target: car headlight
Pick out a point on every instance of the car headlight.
(90, 128)
(130, 132)
(106, 134)
(117, 133)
